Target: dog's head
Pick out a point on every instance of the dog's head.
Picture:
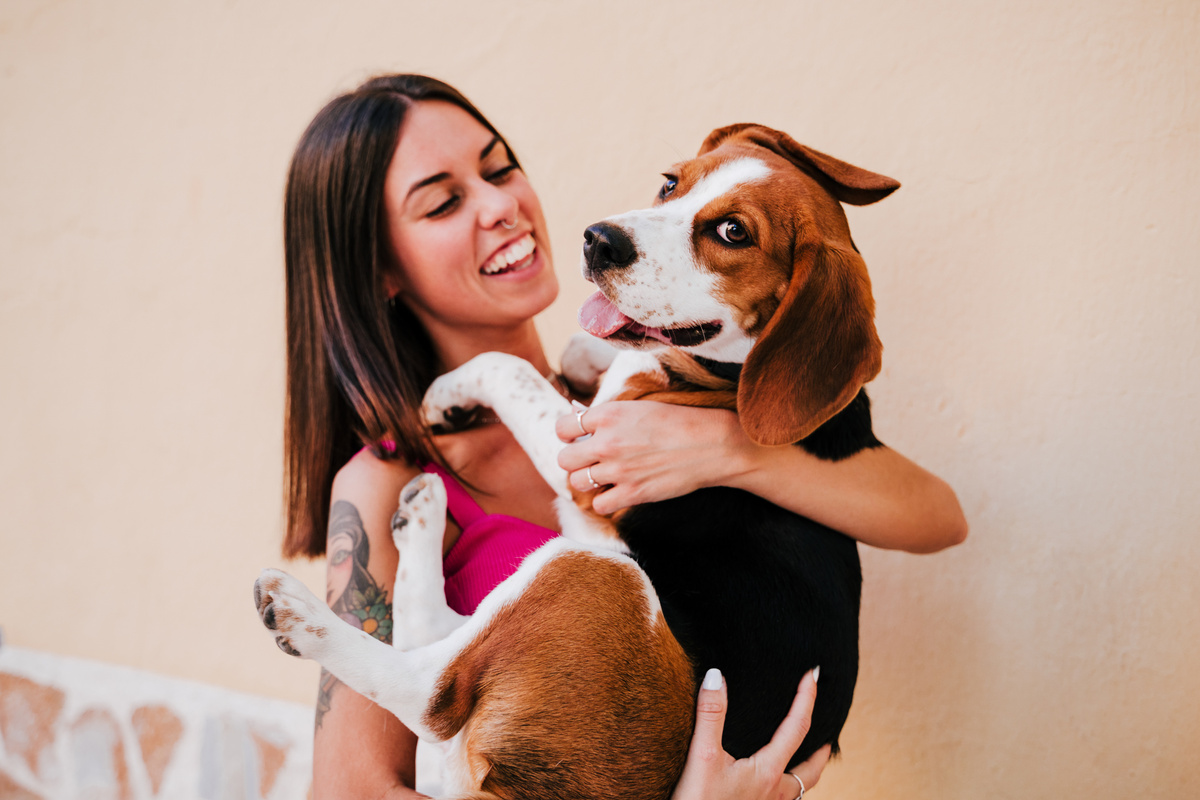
(746, 257)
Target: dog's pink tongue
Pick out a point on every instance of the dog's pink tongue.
(599, 317)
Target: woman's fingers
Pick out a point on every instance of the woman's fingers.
(711, 705)
(795, 725)
(703, 774)
(570, 427)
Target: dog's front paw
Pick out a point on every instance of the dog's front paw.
(421, 512)
(483, 381)
(292, 612)
(585, 360)
(449, 404)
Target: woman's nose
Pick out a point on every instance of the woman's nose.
(499, 207)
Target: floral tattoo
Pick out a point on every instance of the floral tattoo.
(352, 593)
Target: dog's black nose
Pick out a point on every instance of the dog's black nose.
(606, 246)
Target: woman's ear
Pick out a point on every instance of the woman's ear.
(815, 353)
(393, 283)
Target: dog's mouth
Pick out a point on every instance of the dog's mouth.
(599, 317)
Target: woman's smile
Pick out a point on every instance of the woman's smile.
(515, 257)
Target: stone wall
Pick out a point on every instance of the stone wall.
(71, 728)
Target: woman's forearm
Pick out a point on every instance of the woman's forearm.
(646, 451)
(876, 496)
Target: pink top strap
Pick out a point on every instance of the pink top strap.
(490, 548)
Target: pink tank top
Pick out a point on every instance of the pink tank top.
(490, 548)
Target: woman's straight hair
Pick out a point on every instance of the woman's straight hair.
(357, 364)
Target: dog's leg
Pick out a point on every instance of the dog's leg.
(411, 684)
(420, 613)
(585, 360)
(306, 627)
(627, 364)
(524, 400)
(529, 406)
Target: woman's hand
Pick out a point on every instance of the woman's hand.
(712, 774)
(647, 451)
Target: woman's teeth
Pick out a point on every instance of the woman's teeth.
(513, 254)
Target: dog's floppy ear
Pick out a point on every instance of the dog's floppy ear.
(846, 182)
(816, 352)
(714, 139)
(820, 346)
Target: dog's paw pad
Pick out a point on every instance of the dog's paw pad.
(286, 607)
(422, 507)
(285, 645)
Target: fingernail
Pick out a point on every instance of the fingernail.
(816, 673)
(712, 680)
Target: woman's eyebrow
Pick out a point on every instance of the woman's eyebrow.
(484, 152)
(441, 176)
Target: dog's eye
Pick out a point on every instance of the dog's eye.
(667, 188)
(732, 232)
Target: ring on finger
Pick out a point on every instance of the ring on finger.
(591, 480)
(797, 777)
(579, 419)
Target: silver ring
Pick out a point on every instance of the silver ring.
(507, 225)
(595, 485)
(579, 419)
(797, 777)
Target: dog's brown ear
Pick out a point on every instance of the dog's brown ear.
(846, 182)
(815, 353)
(714, 139)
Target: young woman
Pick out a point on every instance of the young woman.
(413, 243)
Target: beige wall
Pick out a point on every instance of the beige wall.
(1036, 280)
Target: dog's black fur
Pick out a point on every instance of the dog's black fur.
(761, 593)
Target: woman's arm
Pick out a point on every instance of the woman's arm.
(650, 451)
(360, 750)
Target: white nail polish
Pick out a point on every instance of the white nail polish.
(816, 673)
(712, 680)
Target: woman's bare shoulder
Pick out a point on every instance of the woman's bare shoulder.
(367, 480)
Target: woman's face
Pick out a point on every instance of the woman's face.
(449, 194)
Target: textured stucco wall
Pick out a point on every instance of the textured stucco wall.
(1036, 281)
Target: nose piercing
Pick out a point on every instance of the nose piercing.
(508, 226)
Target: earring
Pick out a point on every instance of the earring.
(507, 225)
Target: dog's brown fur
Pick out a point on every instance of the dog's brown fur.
(557, 704)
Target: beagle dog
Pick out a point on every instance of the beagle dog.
(739, 288)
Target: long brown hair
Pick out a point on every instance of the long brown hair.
(357, 365)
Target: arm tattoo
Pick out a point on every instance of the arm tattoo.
(353, 593)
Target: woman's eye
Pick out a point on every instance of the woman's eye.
(445, 207)
(732, 232)
(667, 188)
(501, 174)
